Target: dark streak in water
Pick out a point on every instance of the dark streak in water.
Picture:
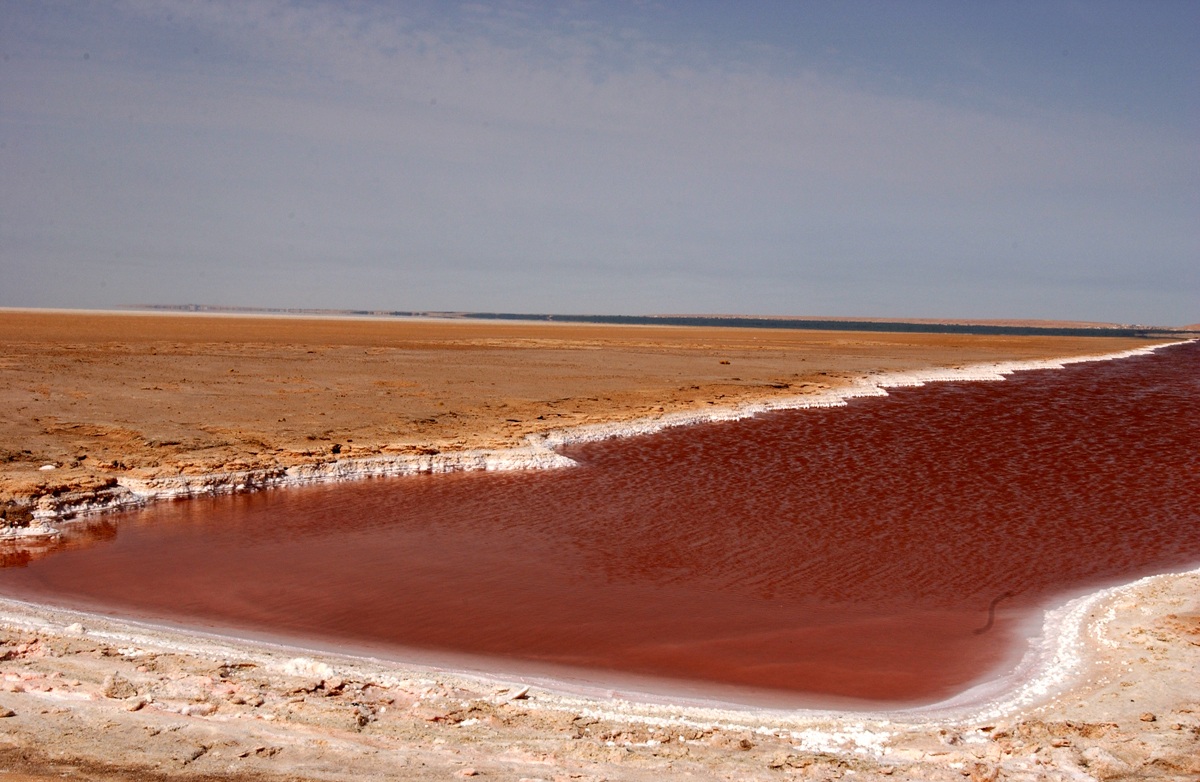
(992, 613)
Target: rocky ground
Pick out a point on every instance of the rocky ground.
(103, 700)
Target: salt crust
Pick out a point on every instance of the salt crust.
(1055, 659)
(536, 454)
(874, 384)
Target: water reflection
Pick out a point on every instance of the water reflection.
(19, 552)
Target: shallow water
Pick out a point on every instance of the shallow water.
(845, 553)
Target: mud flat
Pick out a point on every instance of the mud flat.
(1107, 692)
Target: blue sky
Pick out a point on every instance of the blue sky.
(999, 160)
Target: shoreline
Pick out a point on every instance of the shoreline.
(1021, 723)
(1038, 671)
(1050, 664)
(539, 452)
(296, 702)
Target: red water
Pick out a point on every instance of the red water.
(840, 553)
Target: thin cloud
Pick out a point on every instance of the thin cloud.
(492, 157)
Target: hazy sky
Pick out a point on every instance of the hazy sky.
(868, 159)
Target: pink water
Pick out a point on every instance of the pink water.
(847, 553)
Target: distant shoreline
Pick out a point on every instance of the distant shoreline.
(908, 326)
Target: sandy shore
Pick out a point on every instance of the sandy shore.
(122, 406)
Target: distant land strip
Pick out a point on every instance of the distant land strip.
(726, 321)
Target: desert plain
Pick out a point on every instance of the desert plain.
(93, 403)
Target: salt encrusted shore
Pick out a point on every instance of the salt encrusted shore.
(126, 493)
(1054, 661)
(873, 384)
(1113, 696)
(263, 710)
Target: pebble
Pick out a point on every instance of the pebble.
(117, 686)
(362, 715)
(1148, 717)
(1102, 763)
(7, 713)
(309, 685)
(198, 709)
(516, 695)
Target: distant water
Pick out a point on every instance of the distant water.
(847, 553)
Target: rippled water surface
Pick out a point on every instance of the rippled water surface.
(839, 553)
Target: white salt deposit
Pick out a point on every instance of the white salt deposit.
(537, 454)
(1054, 661)
(307, 668)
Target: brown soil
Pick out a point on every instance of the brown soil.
(100, 396)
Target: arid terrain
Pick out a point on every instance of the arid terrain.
(93, 401)
(93, 398)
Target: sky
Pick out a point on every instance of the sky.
(862, 159)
